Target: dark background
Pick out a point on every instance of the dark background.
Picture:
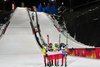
(83, 23)
(29, 3)
(6, 5)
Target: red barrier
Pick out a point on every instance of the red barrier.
(85, 52)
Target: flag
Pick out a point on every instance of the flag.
(54, 55)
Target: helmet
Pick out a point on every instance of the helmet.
(50, 43)
(62, 44)
(56, 45)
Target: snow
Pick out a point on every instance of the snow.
(18, 37)
(24, 60)
(82, 62)
(29, 61)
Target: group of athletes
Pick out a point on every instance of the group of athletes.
(56, 47)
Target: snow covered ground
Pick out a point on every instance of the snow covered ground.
(35, 61)
(18, 47)
(82, 62)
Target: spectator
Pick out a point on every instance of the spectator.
(44, 7)
(40, 9)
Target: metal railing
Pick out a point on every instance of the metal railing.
(3, 28)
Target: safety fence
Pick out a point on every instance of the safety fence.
(3, 28)
(4, 21)
(85, 52)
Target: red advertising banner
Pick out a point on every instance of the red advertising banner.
(85, 52)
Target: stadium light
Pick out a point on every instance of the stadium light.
(5, 0)
(52, 0)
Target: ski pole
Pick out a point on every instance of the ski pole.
(48, 39)
(65, 60)
(59, 38)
